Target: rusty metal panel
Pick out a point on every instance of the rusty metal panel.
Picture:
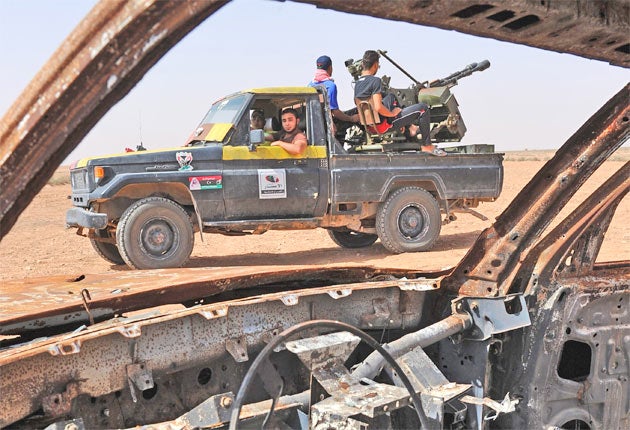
(571, 248)
(496, 254)
(592, 29)
(59, 301)
(97, 358)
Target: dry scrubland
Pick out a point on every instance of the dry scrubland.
(39, 244)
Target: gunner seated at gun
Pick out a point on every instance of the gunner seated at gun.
(369, 85)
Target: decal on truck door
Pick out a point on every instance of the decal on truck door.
(272, 184)
(206, 182)
(184, 159)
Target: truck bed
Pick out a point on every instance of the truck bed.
(367, 177)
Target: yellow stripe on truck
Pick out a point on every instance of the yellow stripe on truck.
(281, 90)
(269, 153)
(218, 132)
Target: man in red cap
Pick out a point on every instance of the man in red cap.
(323, 77)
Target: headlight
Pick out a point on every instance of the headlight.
(78, 179)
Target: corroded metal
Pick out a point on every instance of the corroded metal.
(163, 342)
(577, 353)
(491, 262)
(57, 301)
(571, 248)
(591, 29)
(171, 341)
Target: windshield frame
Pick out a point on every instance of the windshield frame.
(218, 114)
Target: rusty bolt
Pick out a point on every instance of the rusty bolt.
(226, 402)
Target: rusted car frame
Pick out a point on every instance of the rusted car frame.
(528, 331)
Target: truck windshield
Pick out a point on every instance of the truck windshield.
(225, 110)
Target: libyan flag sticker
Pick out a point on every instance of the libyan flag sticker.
(205, 182)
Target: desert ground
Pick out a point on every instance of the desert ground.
(39, 245)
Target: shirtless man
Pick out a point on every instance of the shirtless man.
(292, 139)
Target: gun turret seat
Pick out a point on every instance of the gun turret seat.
(374, 125)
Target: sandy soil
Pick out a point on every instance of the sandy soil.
(39, 244)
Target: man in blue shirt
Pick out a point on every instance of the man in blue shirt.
(323, 77)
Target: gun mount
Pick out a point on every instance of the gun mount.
(447, 124)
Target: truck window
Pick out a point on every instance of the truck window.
(271, 106)
(225, 110)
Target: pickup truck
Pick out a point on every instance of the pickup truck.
(142, 208)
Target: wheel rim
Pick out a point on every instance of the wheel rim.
(157, 237)
(412, 221)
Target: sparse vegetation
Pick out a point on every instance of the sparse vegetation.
(60, 177)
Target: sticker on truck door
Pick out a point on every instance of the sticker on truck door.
(205, 182)
(272, 184)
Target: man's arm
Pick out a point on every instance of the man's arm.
(342, 116)
(381, 109)
(334, 106)
(296, 147)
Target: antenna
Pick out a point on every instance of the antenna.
(140, 147)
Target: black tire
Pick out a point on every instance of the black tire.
(352, 239)
(409, 220)
(107, 250)
(155, 233)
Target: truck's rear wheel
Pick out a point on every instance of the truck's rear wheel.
(108, 251)
(409, 220)
(352, 239)
(155, 233)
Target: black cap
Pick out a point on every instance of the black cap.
(324, 62)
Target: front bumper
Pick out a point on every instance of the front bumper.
(79, 217)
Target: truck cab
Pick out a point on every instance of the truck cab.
(261, 181)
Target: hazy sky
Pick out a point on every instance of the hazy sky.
(527, 99)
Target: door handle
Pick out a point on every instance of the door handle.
(300, 162)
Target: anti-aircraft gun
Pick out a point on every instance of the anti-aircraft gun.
(447, 124)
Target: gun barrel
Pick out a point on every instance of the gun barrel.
(483, 65)
(466, 71)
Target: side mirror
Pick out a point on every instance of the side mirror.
(256, 137)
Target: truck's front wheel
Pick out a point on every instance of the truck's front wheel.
(155, 233)
(352, 239)
(409, 220)
(108, 251)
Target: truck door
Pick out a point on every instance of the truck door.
(268, 182)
